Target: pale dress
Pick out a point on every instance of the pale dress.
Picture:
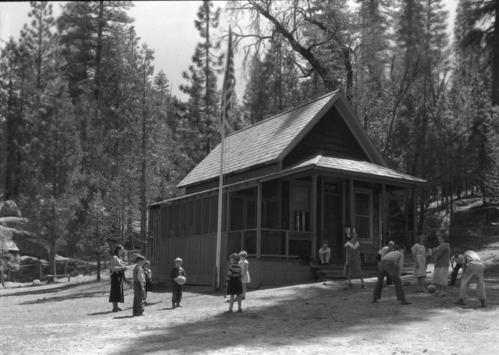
(245, 276)
(353, 257)
(419, 253)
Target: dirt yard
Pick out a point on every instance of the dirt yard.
(316, 318)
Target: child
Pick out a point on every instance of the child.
(457, 263)
(176, 288)
(325, 253)
(139, 282)
(148, 275)
(234, 284)
(245, 276)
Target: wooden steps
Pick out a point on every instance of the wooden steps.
(334, 270)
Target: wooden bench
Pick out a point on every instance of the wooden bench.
(51, 278)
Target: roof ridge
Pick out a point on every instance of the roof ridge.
(332, 93)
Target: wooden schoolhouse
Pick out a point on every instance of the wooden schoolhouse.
(290, 182)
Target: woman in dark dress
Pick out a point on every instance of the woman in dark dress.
(117, 269)
(234, 284)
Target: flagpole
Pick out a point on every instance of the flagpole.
(220, 209)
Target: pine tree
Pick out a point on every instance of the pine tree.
(202, 87)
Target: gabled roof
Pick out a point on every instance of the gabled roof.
(269, 141)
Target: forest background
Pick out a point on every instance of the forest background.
(90, 134)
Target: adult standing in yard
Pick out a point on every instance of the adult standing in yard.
(392, 265)
(381, 253)
(117, 269)
(352, 261)
(139, 286)
(245, 276)
(419, 257)
(472, 266)
(442, 263)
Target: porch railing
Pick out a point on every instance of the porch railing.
(275, 243)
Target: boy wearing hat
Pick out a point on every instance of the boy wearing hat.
(139, 282)
(177, 288)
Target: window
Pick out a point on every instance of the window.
(301, 208)
(363, 213)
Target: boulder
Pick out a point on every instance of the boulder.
(9, 209)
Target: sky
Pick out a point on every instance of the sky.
(167, 27)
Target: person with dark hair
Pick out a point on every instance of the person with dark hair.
(472, 267)
(442, 263)
(176, 284)
(139, 284)
(234, 284)
(117, 269)
(456, 262)
(392, 265)
(381, 253)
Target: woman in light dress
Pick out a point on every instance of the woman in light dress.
(352, 261)
(419, 256)
(245, 276)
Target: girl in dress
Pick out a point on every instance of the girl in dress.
(419, 256)
(148, 275)
(352, 261)
(234, 284)
(117, 269)
(245, 276)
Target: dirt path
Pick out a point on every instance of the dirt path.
(317, 318)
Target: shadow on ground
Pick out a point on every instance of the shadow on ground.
(297, 315)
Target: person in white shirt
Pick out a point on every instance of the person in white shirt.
(392, 265)
(472, 267)
(325, 253)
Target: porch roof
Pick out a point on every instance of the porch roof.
(358, 169)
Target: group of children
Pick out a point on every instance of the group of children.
(237, 278)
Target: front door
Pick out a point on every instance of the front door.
(332, 223)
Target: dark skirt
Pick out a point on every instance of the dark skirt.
(234, 286)
(117, 294)
(148, 285)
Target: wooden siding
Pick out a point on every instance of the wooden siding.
(330, 137)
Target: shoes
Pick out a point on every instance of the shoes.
(483, 304)
(460, 302)
(405, 302)
(239, 310)
(229, 311)
(178, 305)
(363, 286)
(173, 305)
(116, 310)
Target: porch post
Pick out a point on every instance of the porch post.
(351, 206)
(258, 220)
(313, 219)
(384, 216)
(414, 215)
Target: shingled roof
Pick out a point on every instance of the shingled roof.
(358, 168)
(269, 141)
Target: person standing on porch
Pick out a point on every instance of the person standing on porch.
(117, 269)
(325, 253)
(391, 264)
(352, 261)
(419, 257)
(245, 276)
